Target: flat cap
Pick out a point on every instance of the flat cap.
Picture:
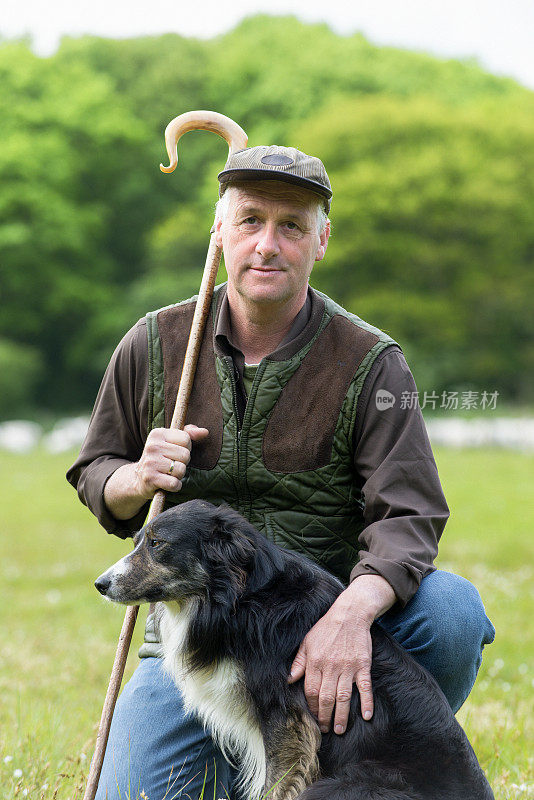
(277, 163)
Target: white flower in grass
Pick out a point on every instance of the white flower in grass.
(7, 759)
(17, 773)
(25, 792)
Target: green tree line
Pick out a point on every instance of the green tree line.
(431, 162)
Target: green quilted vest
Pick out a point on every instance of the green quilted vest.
(289, 467)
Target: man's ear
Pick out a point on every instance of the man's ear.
(218, 234)
(323, 242)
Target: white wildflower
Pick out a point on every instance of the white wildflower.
(17, 773)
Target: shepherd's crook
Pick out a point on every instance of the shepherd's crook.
(237, 140)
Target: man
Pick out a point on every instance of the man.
(286, 427)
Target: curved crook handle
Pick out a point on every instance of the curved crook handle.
(202, 121)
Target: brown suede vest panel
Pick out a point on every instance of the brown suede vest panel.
(204, 408)
(300, 431)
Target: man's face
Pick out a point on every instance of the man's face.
(270, 241)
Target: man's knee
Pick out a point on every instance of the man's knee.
(445, 628)
(450, 611)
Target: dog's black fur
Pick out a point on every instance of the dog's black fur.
(253, 603)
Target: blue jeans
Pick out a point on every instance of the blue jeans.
(154, 747)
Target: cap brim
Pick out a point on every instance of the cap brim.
(229, 175)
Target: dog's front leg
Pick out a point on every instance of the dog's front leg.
(291, 747)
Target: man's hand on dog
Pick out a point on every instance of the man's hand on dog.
(130, 486)
(337, 652)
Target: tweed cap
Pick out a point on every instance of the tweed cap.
(276, 163)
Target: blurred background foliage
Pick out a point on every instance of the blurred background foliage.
(431, 163)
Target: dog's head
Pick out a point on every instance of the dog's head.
(191, 550)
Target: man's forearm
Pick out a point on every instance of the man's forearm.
(122, 493)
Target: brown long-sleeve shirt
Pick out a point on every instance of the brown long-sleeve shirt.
(405, 510)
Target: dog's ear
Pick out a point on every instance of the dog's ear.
(229, 551)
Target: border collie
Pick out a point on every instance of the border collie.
(234, 610)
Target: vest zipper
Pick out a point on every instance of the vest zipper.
(230, 366)
(243, 440)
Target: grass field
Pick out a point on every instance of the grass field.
(59, 637)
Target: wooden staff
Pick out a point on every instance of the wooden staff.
(237, 140)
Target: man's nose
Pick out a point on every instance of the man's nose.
(268, 242)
